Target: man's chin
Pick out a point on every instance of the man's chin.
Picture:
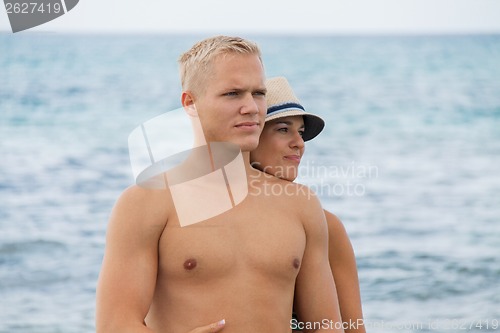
(249, 145)
(246, 144)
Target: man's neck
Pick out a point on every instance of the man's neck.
(250, 171)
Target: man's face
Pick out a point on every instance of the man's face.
(233, 106)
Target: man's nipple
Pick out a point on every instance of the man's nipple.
(296, 263)
(190, 264)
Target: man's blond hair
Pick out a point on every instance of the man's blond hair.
(196, 63)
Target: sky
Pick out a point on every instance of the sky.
(277, 17)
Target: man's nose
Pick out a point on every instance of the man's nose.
(250, 105)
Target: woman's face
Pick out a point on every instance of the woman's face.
(280, 147)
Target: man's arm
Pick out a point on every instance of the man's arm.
(345, 274)
(316, 299)
(128, 274)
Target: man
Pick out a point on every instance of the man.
(239, 269)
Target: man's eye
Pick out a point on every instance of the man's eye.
(301, 133)
(283, 130)
(259, 93)
(231, 93)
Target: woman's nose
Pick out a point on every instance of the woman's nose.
(297, 141)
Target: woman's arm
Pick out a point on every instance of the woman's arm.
(345, 274)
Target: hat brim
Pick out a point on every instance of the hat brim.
(313, 124)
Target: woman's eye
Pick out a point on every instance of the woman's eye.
(301, 133)
(283, 130)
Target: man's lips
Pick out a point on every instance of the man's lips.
(247, 125)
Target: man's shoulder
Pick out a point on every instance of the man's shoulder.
(299, 194)
(139, 194)
(137, 200)
(298, 191)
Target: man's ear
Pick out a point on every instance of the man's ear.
(187, 99)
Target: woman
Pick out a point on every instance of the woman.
(280, 149)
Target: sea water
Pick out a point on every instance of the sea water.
(409, 160)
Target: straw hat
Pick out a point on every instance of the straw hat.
(282, 102)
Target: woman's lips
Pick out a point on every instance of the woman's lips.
(294, 158)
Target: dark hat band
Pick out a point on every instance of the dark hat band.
(284, 106)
